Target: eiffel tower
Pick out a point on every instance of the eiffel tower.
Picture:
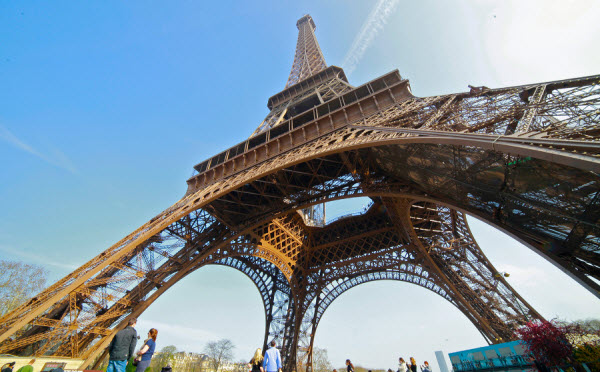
(524, 159)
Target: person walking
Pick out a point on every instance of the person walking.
(426, 367)
(256, 361)
(122, 347)
(402, 367)
(145, 354)
(349, 366)
(413, 365)
(272, 360)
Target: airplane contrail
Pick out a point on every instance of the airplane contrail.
(373, 24)
(56, 157)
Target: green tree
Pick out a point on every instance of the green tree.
(19, 282)
(164, 357)
(219, 352)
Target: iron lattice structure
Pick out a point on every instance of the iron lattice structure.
(524, 159)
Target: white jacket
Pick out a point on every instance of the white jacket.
(402, 367)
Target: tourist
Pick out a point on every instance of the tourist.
(272, 361)
(413, 365)
(426, 367)
(8, 367)
(350, 366)
(145, 353)
(256, 361)
(122, 347)
(402, 365)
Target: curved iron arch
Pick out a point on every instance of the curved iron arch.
(183, 208)
(271, 284)
(406, 276)
(499, 211)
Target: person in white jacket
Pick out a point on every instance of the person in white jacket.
(402, 365)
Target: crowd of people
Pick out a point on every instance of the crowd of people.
(411, 366)
(403, 366)
(122, 348)
(271, 362)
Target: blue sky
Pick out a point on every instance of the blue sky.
(106, 106)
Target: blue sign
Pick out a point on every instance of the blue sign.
(511, 356)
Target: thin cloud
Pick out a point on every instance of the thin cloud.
(369, 30)
(6, 135)
(54, 157)
(36, 258)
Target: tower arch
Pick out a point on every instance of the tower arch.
(522, 158)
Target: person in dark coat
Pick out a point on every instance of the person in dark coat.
(413, 365)
(166, 369)
(256, 361)
(122, 347)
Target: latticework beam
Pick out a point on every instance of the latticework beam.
(308, 59)
(524, 159)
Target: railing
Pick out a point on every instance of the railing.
(299, 120)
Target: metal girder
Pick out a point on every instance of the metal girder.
(309, 58)
(536, 99)
(524, 159)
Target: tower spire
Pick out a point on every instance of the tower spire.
(308, 59)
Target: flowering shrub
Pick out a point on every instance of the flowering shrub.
(546, 341)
